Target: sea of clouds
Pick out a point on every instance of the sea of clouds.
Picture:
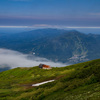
(15, 59)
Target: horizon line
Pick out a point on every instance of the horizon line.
(49, 26)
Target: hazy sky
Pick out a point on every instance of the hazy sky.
(50, 12)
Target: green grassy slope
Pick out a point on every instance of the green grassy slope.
(76, 82)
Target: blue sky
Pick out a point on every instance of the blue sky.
(81, 13)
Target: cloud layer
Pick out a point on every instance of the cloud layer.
(38, 26)
(16, 59)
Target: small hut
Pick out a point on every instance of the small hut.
(43, 66)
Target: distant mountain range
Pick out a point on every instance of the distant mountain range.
(55, 44)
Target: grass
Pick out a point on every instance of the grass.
(75, 82)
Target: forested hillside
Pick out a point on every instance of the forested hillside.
(55, 44)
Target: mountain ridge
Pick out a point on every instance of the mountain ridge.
(55, 44)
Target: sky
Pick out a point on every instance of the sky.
(48, 13)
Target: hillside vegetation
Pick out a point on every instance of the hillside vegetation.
(75, 82)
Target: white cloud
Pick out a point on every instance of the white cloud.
(14, 26)
(17, 59)
(37, 26)
(81, 27)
